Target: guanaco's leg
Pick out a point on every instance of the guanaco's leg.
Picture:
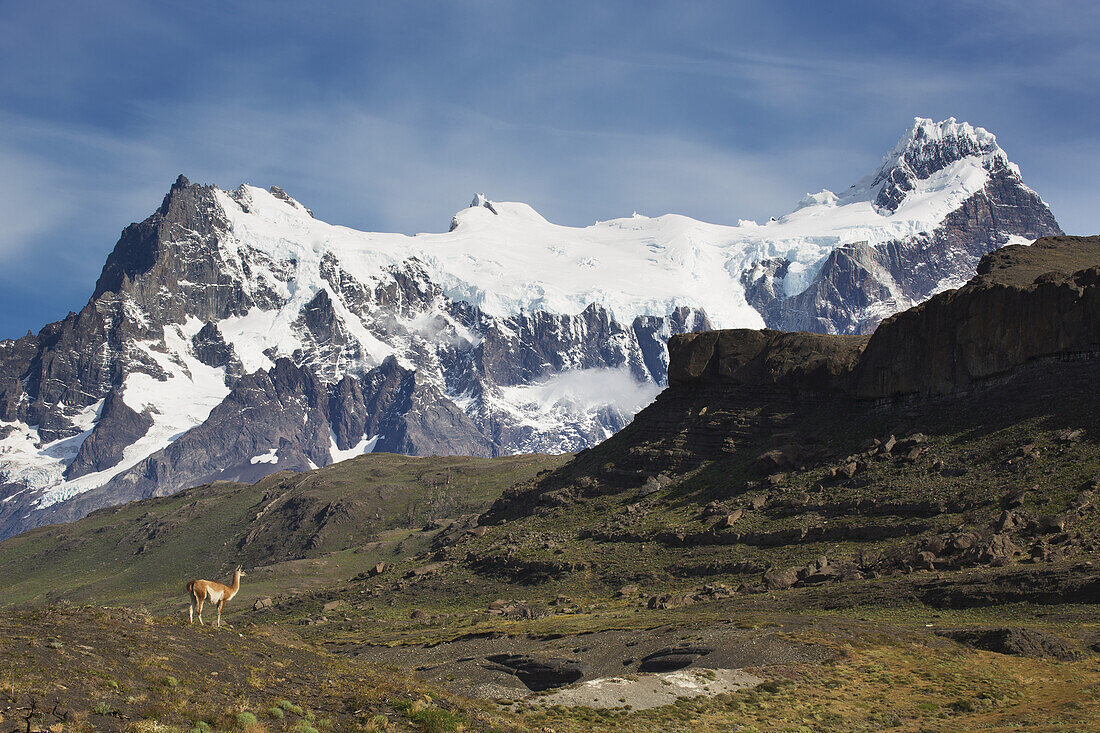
(201, 600)
(221, 605)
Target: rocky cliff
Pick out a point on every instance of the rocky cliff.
(1026, 303)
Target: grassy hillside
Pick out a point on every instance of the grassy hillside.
(93, 669)
(292, 532)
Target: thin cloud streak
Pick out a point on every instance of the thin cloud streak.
(390, 117)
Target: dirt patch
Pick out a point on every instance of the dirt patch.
(652, 690)
(470, 665)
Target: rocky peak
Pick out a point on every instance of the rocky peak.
(188, 210)
(927, 148)
(284, 196)
(481, 202)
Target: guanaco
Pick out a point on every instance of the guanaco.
(217, 593)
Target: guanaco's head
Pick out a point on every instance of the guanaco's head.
(240, 572)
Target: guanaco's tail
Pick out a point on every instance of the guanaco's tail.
(191, 587)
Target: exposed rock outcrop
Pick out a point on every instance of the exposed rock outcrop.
(117, 427)
(1026, 303)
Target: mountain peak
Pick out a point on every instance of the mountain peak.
(481, 202)
(287, 198)
(927, 148)
(924, 132)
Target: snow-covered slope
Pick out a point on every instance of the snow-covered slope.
(253, 337)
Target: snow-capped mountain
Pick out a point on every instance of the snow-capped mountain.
(231, 334)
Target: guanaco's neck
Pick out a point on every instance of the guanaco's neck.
(236, 584)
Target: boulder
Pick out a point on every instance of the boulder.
(758, 501)
(781, 579)
(925, 560)
(936, 545)
(773, 461)
(262, 603)
(1008, 520)
(848, 470)
(713, 509)
(962, 541)
(1068, 436)
(730, 519)
(1052, 523)
(670, 600)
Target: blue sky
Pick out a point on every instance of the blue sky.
(391, 115)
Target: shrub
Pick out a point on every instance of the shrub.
(276, 712)
(436, 720)
(246, 719)
(964, 706)
(102, 708)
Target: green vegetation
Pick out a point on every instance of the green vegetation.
(144, 552)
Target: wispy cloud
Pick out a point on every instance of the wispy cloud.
(385, 116)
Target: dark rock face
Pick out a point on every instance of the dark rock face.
(923, 156)
(538, 673)
(1018, 641)
(990, 326)
(413, 418)
(998, 322)
(284, 410)
(210, 348)
(117, 427)
(745, 356)
(673, 658)
(277, 420)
